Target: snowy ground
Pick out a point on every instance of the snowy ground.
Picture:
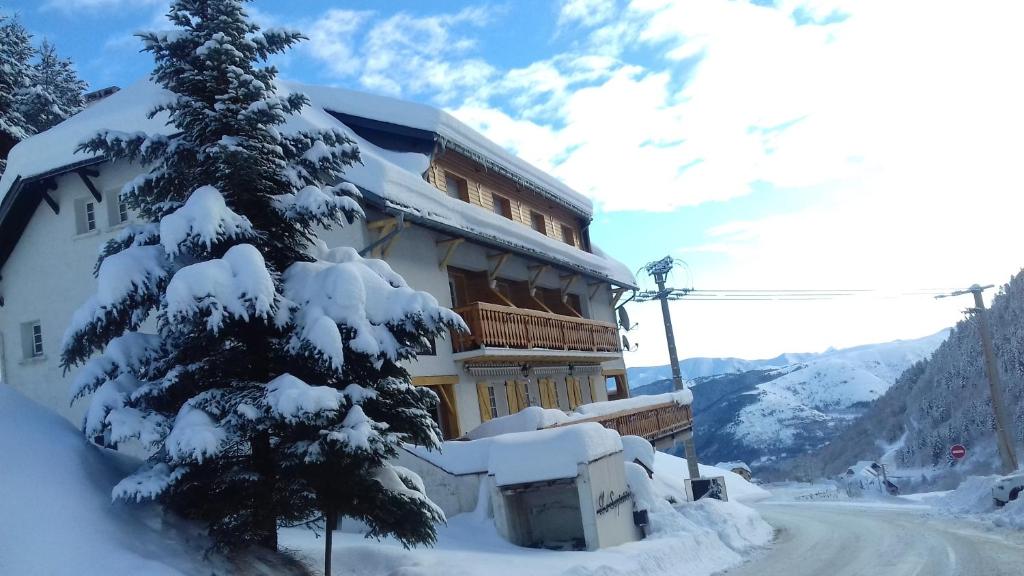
(705, 537)
(56, 516)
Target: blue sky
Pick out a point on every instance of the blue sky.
(769, 144)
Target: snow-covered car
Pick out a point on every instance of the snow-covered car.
(1008, 488)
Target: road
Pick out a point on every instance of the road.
(848, 540)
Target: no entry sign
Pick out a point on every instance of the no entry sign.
(957, 451)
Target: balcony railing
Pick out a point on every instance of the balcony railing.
(491, 325)
(650, 422)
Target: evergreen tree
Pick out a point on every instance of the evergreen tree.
(54, 93)
(15, 74)
(270, 392)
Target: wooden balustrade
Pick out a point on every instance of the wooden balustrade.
(650, 422)
(492, 325)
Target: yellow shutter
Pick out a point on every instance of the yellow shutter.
(482, 397)
(523, 394)
(572, 386)
(545, 397)
(511, 394)
(595, 382)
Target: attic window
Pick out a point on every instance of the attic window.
(502, 206)
(456, 187)
(568, 235)
(537, 221)
(32, 339)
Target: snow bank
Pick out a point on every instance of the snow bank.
(56, 515)
(536, 418)
(530, 418)
(973, 499)
(550, 454)
(682, 397)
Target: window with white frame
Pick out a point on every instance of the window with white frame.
(32, 339)
(122, 212)
(90, 216)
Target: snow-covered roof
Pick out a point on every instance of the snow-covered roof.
(391, 179)
(550, 454)
(451, 131)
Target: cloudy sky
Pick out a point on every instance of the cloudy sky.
(788, 144)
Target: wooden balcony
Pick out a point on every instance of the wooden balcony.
(650, 422)
(495, 326)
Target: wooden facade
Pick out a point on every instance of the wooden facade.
(498, 194)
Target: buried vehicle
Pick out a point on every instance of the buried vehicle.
(1008, 488)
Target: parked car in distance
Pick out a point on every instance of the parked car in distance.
(1008, 488)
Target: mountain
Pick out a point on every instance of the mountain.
(764, 415)
(938, 402)
(693, 368)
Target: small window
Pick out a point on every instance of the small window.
(568, 235)
(90, 216)
(537, 220)
(32, 339)
(492, 402)
(502, 206)
(122, 212)
(455, 186)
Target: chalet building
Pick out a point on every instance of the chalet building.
(501, 242)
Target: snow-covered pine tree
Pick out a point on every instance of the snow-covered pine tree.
(54, 92)
(268, 389)
(15, 74)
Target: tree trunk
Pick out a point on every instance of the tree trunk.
(263, 513)
(330, 521)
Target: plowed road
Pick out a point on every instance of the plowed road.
(848, 540)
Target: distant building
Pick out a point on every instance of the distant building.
(739, 468)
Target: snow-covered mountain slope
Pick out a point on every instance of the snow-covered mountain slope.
(765, 414)
(693, 368)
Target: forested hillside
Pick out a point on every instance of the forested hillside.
(939, 402)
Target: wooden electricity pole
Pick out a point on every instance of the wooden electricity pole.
(1006, 452)
(659, 270)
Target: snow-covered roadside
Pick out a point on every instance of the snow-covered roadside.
(973, 500)
(701, 538)
(56, 515)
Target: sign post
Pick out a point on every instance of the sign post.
(957, 451)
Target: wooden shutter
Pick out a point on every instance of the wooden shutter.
(512, 395)
(545, 393)
(482, 395)
(523, 396)
(573, 388)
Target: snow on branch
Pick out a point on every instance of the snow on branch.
(147, 483)
(315, 205)
(343, 300)
(128, 287)
(194, 436)
(204, 220)
(128, 353)
(292, 399)
(236, 286)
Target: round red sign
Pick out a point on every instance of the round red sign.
(958, 451)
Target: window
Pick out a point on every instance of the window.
(537, 220)
(455, 186)
(568, 235)
(488, 402)
(502, 206)
(122, 212)
(85, 215)
(32, 339)
(90, 216)
(492, 402)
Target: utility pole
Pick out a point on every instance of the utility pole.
(660, 270)
(1006, 453)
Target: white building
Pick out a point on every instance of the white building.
(503, 243)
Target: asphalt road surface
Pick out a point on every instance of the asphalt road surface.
(846, 540)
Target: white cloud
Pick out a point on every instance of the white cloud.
(586, 12)
(332, 39)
